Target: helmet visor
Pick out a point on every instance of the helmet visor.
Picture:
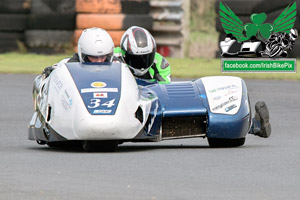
(139, 61)
(102, 58)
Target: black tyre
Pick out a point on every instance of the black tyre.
(48, 38)
(9, 41)
(55, 144)
(130, 7)
(13, 22)
(100, 146)
(51, 21)
(145, 21)
(53, 6)
(40, 142)
(14, 6)
(4, 36)
(221, 142)
(64, 144)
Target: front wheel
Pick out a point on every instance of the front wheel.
(40, 142)
(100, 146)
(221, 142)
(63, 144)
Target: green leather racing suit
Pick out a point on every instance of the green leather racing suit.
(160, 70)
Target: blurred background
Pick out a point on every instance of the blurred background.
(182, 28)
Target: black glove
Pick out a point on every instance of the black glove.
(47, 71)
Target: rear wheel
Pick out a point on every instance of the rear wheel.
(221, 142)
(100, 146)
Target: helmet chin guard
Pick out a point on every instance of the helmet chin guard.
(140, 48)
(139, 72)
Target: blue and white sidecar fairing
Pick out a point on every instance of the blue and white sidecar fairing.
(102, 105)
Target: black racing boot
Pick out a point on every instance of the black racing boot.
(262, 116)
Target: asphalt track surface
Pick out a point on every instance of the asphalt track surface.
(177, 169)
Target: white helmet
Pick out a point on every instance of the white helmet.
(140, 49)
(95, 42)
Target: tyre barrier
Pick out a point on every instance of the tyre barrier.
(50, 25)
(48, 38)
(113, 21)
(53, 6)
(115, 16)
(15, 6)
(98, 6)
(51, 21)
(13, 22)
(9, 41)
(113, 6)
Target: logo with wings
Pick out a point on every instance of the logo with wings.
(258, 39)
(242, 32)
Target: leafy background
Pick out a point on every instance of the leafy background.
(203, 41)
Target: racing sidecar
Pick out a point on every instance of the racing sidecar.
(232, 48)
(101, 105)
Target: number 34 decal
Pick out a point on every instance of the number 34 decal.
(96, 103)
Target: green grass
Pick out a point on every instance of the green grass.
(181, 68)
(27, 63)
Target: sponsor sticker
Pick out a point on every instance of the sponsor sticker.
(102, 111)
(98, 84)
(229, 108)
(57, 84)
(69, 99)
(224, 93)
(86, 90)
(231, 92)
(66, 100)
(217, 98)
(228, 87)
(231, 99)
(64, 103)
(100, 94)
